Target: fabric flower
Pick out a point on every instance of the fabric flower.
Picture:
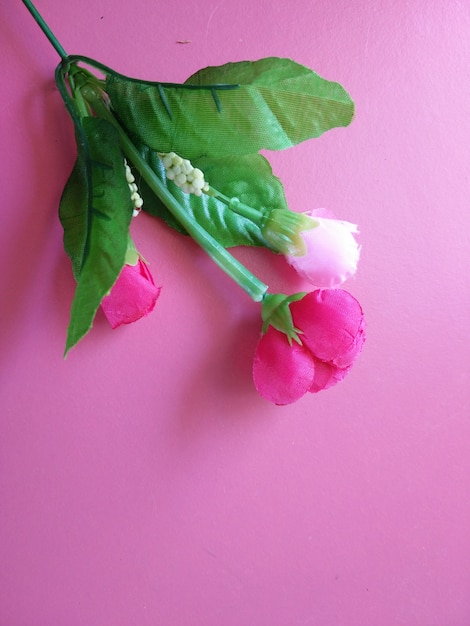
(332, 251)
(331, 333)
(133, 295)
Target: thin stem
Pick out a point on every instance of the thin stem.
(82, 105)
(45, 29)
(238, 272)
(234, 204)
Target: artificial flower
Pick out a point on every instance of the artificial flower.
(332, 252)
(330, 326)
(132, 297)
(220, 118)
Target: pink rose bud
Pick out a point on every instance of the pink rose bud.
(332, 334)
(133, 295)
(332, 252)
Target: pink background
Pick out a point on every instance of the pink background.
(142, 480)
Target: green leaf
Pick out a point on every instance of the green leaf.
(248, 178)
(233, 109)
(95, 212)
(73, 214)
(213, 215)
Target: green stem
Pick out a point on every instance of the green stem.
(74, 73)
(234, 204)
(238, 272)
(45, 29)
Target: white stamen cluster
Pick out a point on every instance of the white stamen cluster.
(135, 196)
(188, 178)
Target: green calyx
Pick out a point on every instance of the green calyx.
(275, 312)
(132, 254)
(283, 231)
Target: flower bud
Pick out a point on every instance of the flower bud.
(332, 334)
(181, 171)
(132, 297)
(332, 252)
(133, 189)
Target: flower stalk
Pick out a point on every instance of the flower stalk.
(257, 216)
(45, 29)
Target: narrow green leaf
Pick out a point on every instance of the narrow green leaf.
(73, 213)
(95, 211)
(237, 108)
(223, 224)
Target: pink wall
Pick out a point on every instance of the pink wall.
(142, 480)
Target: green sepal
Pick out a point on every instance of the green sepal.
(233, 109)
(275, 311)
(95, 212)
(227, 227)
(283, 230)
(132, 254)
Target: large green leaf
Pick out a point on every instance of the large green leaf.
(213, 215)
(95, 211)
(233, 109)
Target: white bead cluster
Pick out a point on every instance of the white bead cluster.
(188, 178)
(135, 197)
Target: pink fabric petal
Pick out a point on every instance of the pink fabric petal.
(333, 325)
(332, 252)
(282, 373)
(348, 358)
(326, 376)
(132, 297)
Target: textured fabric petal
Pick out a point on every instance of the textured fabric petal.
(333, 325)
(355, 349)
(132, 297)
(326, 376)
(282, 373)
(332, 252)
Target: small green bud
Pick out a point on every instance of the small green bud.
(181, 171)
